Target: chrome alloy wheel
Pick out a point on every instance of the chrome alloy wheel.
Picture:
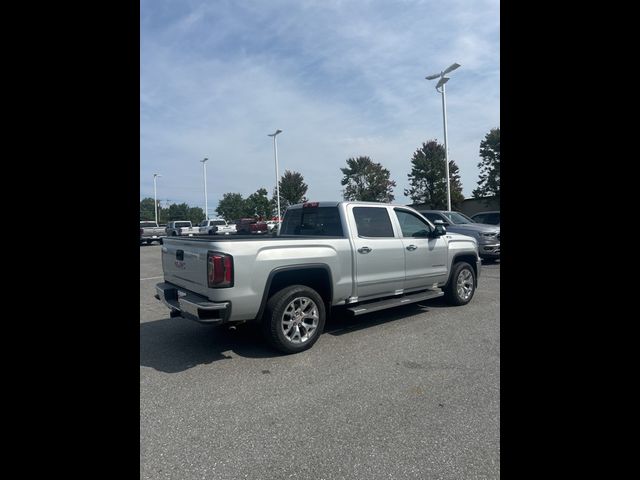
(464, 284)
(300, 320)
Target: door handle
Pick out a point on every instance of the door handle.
(364, 249)
(411, 248)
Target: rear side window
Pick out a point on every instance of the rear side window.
(373, 222)
(323, 221)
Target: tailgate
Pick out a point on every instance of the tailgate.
(185, 264)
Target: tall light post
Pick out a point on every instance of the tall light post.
(441, 83)
(275, 152)
(155, 194)
(206, 206)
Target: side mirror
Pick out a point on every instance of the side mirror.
(440, 229)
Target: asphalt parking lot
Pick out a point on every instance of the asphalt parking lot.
(407, 393)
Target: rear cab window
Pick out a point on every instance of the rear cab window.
(321, 221)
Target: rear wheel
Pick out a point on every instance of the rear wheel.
(294, 319)
(462, 284)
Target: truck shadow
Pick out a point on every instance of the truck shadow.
(173, 345)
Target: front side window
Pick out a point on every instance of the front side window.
(373, 222)
(412, 225)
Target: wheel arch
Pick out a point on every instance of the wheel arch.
(313, 275)
(470, 258)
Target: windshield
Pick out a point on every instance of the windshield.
(457, 218)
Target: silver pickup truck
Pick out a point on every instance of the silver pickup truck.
(360, 256)
(151, 232)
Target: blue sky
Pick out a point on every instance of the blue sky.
(340, 78)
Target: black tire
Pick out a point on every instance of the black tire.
(282, 306)
(462, 284)
(174, 234)
(160, 241)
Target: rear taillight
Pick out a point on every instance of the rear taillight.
(219, 270)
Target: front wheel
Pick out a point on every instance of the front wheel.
(462, 284)
(294, 319)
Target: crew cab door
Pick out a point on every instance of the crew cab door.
(425, 258)
(379, 253)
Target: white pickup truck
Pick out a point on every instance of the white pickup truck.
(181, 228)
(216, 226)
(360, 256)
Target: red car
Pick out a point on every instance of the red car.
(249, 226)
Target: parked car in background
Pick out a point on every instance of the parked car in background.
(488, 236)
(251, 226)
(216, 226)
(491, 218)
(181, 227)
(151, 232)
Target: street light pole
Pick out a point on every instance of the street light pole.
(206, 206)
(275, 152)
(446, 148)
(441, 83)
(155, 195)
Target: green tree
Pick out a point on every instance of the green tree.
(367, 181)
(147, 212)
(292, 189)
(177, 212)
(259, 205)
(489, 183)
(427, 180)
(232, 206)
(195, 214)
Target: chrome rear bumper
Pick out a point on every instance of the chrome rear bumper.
(191, 305)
